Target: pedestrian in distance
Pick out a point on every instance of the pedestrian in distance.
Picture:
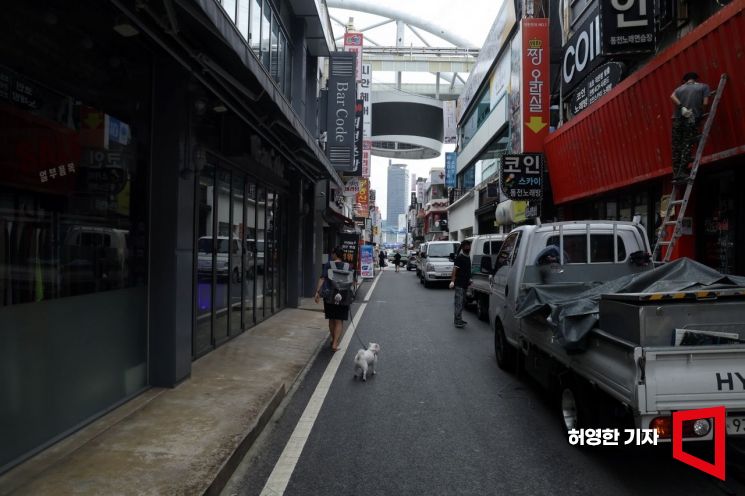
(336, 314)
(460, 280)
(690, 98)
(381, 259)
(397, 260)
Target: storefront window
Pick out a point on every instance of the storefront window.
(261, 259)
(227, 270)
(249, 283)
(206, 255)
(238, 239)
(73, 228)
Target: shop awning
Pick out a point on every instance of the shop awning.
(333, 217)
(625, 137)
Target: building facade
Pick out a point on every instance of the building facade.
(612, 159)
(157, 194)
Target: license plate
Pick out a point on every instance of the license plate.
(736, 425)
(445, 274)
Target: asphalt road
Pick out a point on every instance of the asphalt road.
(441, 418)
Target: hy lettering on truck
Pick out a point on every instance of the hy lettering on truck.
(717, 414)
(728, 379)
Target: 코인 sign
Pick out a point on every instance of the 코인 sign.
(521, 176)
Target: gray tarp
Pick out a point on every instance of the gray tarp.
(574, 308)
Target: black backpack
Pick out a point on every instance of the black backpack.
(339, 281)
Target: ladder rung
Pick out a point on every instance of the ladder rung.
(663, 242)
(676, 202)
(671, 222)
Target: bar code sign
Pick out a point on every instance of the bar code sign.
(521, 176)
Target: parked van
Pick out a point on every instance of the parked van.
(436, 262)
(484, 249)
(225, 264)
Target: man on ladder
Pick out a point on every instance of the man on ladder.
(690, 98)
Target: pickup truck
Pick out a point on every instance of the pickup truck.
(565, 309)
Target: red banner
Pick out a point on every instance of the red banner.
(353, 43)
(535, 83)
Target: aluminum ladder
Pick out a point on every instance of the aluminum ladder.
(676, 205)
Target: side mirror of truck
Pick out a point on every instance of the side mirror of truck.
(451, 257)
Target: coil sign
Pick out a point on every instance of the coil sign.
(342, 96)
(581, 53)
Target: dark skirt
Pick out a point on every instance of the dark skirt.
(336, 312)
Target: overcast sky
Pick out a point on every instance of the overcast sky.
(469, 19)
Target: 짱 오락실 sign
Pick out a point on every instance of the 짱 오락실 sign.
(521, 176)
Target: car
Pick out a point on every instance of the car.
(225, 266)
(437, 262)
(411, 262)
(420, 259)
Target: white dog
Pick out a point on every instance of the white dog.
(366, 359)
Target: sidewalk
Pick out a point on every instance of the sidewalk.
(185, 440)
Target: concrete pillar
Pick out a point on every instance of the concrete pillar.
(171, 228)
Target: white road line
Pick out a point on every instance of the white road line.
(285, 466)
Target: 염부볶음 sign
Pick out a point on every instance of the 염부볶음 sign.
(521, 176)
(535, 83)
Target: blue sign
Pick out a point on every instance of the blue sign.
(450, 165)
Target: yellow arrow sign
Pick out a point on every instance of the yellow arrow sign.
(536, 124)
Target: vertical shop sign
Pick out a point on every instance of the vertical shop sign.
(357, 139)
(451, 159)
(342, 95)
(535, 95)
(353, 43)
(365, 94)
(449, 122)
(361, 207)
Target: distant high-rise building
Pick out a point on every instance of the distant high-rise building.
(412, 185)
(397, 193)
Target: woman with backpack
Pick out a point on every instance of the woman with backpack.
(336, 313)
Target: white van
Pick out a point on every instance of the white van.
(484, 249)
(225, 265)
(437, 262)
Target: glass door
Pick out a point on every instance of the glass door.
(238, 253)
(249, 282)
(261, 267)
(202, 335)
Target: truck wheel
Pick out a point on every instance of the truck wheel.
(505, 352)
(482, 307)
(577, 406)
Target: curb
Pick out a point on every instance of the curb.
(275, 407)
(229, 466)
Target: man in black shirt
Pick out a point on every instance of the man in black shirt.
(460, 280)
(690, 98)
